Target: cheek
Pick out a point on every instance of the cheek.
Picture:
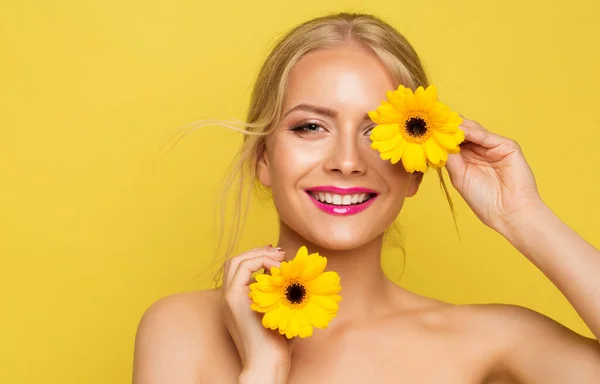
(397, 182)
(287, 167)
(291, 159)
(394, 176)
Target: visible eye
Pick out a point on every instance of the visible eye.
(307, 128)
(369, 130)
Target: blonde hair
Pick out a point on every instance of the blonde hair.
(266, 101)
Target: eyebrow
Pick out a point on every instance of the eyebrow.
(318, 110)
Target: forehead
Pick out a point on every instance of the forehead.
(348, 76)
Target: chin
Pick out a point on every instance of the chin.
(342, 239)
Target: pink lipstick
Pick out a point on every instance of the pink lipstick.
(341, 201)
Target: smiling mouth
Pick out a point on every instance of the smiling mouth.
(335, 199)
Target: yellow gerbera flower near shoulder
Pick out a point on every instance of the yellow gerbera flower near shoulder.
(416, 128)
(297, 296)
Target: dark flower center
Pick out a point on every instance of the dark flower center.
(295, 293)
(415, 126)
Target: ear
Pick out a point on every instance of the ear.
(415, 181)
(262, 170)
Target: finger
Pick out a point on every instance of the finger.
(455, 166)
(482, 137)
(273, 253)
(475, 148)
(241, 277)
(472, 124)
(253, 251)
(276, 255)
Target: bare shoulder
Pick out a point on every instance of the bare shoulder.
(518, 324)
(533, 347)
(515, 343)
(174, 336)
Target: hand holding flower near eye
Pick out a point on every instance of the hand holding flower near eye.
(493, 177)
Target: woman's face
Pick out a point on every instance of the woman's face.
(328, 185)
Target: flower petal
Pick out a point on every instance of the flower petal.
(264, 287)
(435, 152)
(317, 316)
(306, 329)
(385, 114)
(398, 151)
(260, 309)
(335, 298)
(264, 299)
(302, 253)
(325, 284)
(293, 328)
(271, 319)
(314, 267)
(387, 145)
(385, 131)
(420, 98)
(413, 158)
(451, 123)
(263, 278)
(297, 269)
(292, 269)
(449, 141)
(396, 98)
(286, 317)
(325, 302)
(410, 100)
(422, 163)
(387, 155)
(439, 113)
(430, 97)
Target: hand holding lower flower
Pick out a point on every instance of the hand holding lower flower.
(297, 296)
(263, 353)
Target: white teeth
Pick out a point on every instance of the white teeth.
(332, 198)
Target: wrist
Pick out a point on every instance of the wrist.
(265, 359)
(273, 373)
(517, 225)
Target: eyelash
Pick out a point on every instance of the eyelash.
(303, 127)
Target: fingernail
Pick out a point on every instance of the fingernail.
(278, 249)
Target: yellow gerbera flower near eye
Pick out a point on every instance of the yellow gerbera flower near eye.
(297, 296)
(416, 128)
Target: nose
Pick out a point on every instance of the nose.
(345, 156)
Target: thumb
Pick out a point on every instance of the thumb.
(455, 165)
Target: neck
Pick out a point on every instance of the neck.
(364, 284)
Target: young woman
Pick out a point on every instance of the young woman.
(310, 103)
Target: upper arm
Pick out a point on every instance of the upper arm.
(168, 343)
(540, 350)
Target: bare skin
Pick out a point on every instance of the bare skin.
(427, 341)
(382, 333)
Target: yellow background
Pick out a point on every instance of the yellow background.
(90, 235)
